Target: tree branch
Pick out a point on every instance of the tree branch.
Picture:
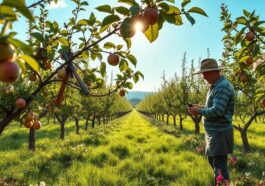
(35, 4)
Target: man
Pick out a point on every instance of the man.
(217, 112)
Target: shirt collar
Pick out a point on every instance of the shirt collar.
(217, 82)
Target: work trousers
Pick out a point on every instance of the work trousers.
(219, 165)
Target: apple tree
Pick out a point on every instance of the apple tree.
(54, 49)
(244, 47)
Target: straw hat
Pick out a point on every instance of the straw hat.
(207, 65)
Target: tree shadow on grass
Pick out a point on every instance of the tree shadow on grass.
(257, 133)
(13, 141)
(16, 140)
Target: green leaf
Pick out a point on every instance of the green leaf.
(128, 42)
(152, 33)
(185, 2)
(243, 59)
(139, 74)
(172, 19)
(135, 10)
(227, 26)
(20, 6)
(246, 13)
(173, 10)
(172, 1)
(82, 22)
(123, 65)
(7, 13)
(104, 8)
(99, 56)
(103, 69)
(123, 10)
(164, 6)
(31, 62)
(109, 45)
(92, 19)
(191, 19)
(129, 85)
(136, 78)
(119, 47)
(84, 3)
(238, 37)
(132, 59)
(38, 36)
(19, 44)
(63, 41)
(241, 20)
(22, 65)
(198, 11)
(64, 32)
(107, 21)
(178, 20)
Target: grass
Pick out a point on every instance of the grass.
(250, 169)
(132, 150)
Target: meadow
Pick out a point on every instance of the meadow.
(131, 150)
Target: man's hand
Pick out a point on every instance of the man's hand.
(194, 110)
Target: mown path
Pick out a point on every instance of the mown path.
(129, 151)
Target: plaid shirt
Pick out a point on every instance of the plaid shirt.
(219, 107)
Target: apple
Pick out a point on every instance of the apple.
(9, 72)
(151, 16)
(7, 52)
(28, 124)
(113, 59)
(20, 103)
(250, 36)
(122, 93)
(37, 125)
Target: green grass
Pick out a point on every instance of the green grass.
(132, 150)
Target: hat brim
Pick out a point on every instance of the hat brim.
(208, 70)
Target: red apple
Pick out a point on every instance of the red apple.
(20, 103)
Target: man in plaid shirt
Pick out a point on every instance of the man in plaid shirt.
(217, 112)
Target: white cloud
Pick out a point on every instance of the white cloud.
(59, 4)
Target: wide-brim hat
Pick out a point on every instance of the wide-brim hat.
(208, 65)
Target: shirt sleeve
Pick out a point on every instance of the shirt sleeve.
(220, 101)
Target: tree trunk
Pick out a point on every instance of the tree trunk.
(196, 120)
(244, 137)
(168, 118)
(32, 139)
(99, 121)
(174, 121)
(76, 125)
(93, 120)
(62, 131)
(180, 123)
(62, 123)
(163, 118)
(86, 125)
(197, 127)
(48, 122)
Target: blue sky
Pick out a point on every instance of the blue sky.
(166, 52)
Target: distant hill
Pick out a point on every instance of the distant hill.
(136, 96)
